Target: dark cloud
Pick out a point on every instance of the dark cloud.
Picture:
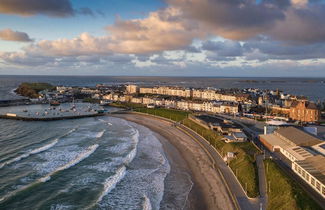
(302, 25)
(264, 49)
(10, 35)
(225, 48)
(235, 19)
(85, 11)
(192, 49)
(57, 8)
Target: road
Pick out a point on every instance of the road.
(279, 159)
(234, 185)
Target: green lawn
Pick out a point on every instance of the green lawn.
(284, 192)
(172, 114)
(244, 163)
(176, 115)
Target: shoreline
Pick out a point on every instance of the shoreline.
(208, 190)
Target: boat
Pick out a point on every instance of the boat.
(54, 103)
(105, 103)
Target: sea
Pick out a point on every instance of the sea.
(102, 162)
(90, 163)
(313, 88)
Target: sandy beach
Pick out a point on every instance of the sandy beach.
(208, 191)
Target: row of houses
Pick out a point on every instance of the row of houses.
(202, 94)
(303, 152)
(205, 106)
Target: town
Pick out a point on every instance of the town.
(288, 133)
(286, 128)
(251, 103)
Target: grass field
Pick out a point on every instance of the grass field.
(243, 165)
(176, 115)
(284, 193)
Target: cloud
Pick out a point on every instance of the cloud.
(263, 49)
(56, 8)
(236, 19)
(161, 30)
(227, 48)
(251, 32)
(301, 25)
(10, 35)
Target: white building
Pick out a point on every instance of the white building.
(312, 171)
(131, 89)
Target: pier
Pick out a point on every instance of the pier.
(51, 113)
(48, 118)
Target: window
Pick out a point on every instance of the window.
(296, 167)
(307, 177)
(313, 181)
(323, 191)
(299, 170)
(318, 186)
(303, 173)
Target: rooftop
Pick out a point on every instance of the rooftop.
(297, 136)
(298, 152)
(315, 166)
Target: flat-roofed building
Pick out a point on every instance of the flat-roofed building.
(292, 142)
(320, 148)
(296, 136)
(312, 171)
(300, 148)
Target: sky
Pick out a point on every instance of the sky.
(232, 38)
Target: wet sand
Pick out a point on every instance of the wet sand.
(183, 153)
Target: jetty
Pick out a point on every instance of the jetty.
(14, 116)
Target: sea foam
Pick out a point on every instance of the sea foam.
(111, 182)
(36, 151)
(90, 150)
(146, 205)
(31, 152)
(46, 178)
(100, 134)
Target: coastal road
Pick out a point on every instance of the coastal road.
(234, 185)
(261, 202)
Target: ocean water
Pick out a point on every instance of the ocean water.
(90, 163)
(313, 88)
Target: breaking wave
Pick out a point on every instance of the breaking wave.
(31, 152)
(100, 134)
(90, 150)
(79, 158)
(35, 151)
(146, 205)
(111, 182)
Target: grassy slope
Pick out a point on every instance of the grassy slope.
(244, 161)
(284, 192)
(32, 89)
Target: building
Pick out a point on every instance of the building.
(291, 142)
(312, 171)
(303, 154)
(131, 89)
(304, 111)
